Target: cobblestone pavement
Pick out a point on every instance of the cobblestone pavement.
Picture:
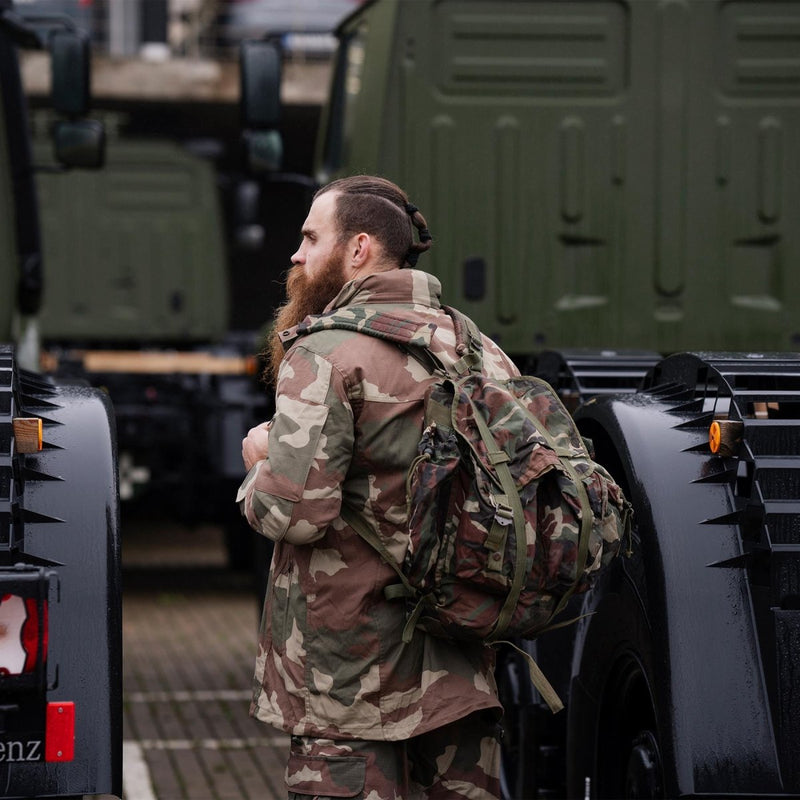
(189, 628)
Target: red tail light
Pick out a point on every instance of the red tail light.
(60, 736)
(23, 634)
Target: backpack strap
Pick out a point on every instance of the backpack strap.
(394, 591)
(469, 342)
(469, 348)
(538, 679)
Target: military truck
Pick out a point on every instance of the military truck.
(612, 191)
(145, 315)
(165, 302)
(60, 599)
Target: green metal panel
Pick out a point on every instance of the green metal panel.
(622, 169)
(362, 91)
(134, 252)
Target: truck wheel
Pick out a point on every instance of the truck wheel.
(629, 757)
(642, 776)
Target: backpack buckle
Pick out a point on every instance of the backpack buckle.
(498, 533)
(503, 513)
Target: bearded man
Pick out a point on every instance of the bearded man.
(369, 716)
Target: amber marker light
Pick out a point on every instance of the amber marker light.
(724, 437)
(714, 437)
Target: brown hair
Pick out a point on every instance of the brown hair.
(373, 205)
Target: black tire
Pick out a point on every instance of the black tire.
(629, 755)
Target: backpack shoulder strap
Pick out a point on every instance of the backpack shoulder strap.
(395, 590)
(469, 348)
(469, 342)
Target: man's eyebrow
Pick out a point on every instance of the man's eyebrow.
(307, 231)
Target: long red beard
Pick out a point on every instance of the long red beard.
(305, 297)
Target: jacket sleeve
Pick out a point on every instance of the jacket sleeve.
(295, 493)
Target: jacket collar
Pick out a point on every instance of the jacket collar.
(394, 286)
(390, 305)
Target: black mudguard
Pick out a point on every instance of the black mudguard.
(673, 628)
(65, 520)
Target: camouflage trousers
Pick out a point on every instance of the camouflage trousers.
(460, 760)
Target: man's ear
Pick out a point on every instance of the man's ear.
(361, 251)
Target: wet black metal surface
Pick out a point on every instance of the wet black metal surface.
(61, 518)
(763, 476)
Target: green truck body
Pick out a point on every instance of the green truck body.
(138, 300)
(146, 245)
(604, 174)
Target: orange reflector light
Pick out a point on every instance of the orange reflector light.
(27, 434)
(714, 436)
(59, 738)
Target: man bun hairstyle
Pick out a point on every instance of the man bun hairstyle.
(425, 238)
(373, 205)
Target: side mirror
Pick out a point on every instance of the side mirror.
(79, 143)
(260, 75)
(260, 84)
(70, 56)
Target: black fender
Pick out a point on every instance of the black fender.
(66, 520)
(670, 628)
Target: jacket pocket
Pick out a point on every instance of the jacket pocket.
(325, 776)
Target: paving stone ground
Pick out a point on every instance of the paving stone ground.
(189, 632)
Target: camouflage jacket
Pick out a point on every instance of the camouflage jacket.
(346, 427)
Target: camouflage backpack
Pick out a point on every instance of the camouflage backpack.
(509, 516)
